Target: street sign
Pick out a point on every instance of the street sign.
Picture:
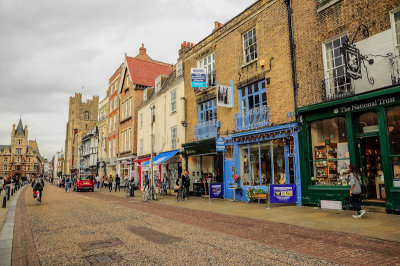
(217, 190)
(220, 144)
(198, 78)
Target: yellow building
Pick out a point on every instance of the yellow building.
(102, 127)
(22, 157)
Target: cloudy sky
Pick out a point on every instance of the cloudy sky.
(50, 49)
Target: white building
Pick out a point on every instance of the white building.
(160, 125)
(88, 152)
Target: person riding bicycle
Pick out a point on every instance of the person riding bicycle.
(38, 185)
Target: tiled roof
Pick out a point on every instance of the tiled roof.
(145, 72)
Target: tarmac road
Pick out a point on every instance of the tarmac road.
(103, 229)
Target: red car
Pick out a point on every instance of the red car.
(84, 182)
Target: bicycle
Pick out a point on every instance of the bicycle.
(38, 195)
(128, 189)
(146, 194)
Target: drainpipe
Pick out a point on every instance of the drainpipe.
(292, 52)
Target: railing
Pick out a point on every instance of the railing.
(252, 118)
(337, 87)
(206, 130)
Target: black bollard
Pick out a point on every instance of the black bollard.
(8, 192)
(12, 191)
(4, 202)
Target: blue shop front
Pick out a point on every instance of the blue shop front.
(262, 157)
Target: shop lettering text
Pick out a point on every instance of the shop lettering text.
(361, 106)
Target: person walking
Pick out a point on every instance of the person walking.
(146, 181)
(117, 183)
(355, 191)
(101, 182)
(1, 184)
(110, 183)
(67, 181)
(186, 182)
(181, 186)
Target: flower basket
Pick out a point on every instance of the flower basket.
(236, 179)
(253, 192)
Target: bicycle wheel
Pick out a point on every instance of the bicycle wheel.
(154, 195)
(127, 192)
(145, 197)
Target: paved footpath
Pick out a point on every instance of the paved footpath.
(104, 229)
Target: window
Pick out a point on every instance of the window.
(126, 141)
(173, 138)
(110, 127)
(5, 159)
(337, 82)
(141, 146)
(229, 152)
(114, 147)
(208, 64)
(253, 96)
(109, 149)
(158, 83)
(393, 124)
(19, 142)
(250, 46)
(129, 139)
(19, 151)
(207, 111)
(330, 152)
(395, 20)
(115, 103)
(173, 101)
(111, 106)
(86, 115)
(179, 69)
(130, 107)
(141, 120)
(122, 145)
(114, 122)
(4, 167)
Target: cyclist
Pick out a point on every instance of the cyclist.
(38, 185)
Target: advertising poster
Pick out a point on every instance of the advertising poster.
(282, 194)
(198, 78)
(217, 190)
(224, 96)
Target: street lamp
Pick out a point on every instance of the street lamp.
(152, 107)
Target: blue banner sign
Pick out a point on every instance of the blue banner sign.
(282, 194)
(198, 78)
(220, 144)
(217, 190)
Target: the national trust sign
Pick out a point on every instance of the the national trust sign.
(363, 105)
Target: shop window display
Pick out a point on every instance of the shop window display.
(266, 172)
(279, 161)
(393, 123)
(254, 165)
(229, 153)
(329, 149)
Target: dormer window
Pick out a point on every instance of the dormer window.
(179, 69)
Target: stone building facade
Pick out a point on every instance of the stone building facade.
(81, 118)
(22, 157)
(103, 142)
(250, 58)
(347, 58)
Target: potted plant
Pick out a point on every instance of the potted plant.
(256, 193)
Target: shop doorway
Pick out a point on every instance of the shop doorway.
(371, 168)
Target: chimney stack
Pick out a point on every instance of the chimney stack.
(142, 50)
(217, 25)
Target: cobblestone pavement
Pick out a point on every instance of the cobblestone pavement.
(99, 229)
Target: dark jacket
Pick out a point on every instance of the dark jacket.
(117, 179)
(38, 184)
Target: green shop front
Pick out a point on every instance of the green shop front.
(363, 130)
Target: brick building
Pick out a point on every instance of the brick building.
(138, 73)
(81, 118)
(248, 99)
(347, 58)
(22, 157)
(113, 122)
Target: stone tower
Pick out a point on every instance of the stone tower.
(82, 116)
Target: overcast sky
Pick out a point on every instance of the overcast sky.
(49, 49)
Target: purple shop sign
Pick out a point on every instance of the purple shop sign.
(282, 194)
(217, 190)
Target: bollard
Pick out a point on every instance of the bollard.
(8, 192)
(12, 191)
(4, 202)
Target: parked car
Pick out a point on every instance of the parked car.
(84, 182)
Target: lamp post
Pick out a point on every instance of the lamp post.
(152, 107)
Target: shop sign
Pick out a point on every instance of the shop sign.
(352, 61)
(361, 106)
(224, 96)
(282, 194)
(198, 78)
(216, 190)
(220, 144)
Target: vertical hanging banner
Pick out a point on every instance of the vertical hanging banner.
(224, 96)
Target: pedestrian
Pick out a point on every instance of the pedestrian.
(1, 184)
(106, 182)
(186, 182)
(146, 181)
(97, 178)
(180, 188)
(101, 182)
(110, 183)
(117, 183)
(67, 181)
(355, 190)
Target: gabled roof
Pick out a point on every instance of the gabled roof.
(20, 129)
(145, 72)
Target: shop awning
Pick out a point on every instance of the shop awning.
(162, 157)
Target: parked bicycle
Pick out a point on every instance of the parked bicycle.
(129, 189)
(146, 194)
